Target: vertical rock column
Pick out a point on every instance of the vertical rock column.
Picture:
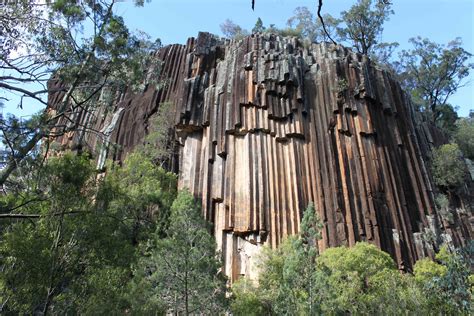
(266, 125)
(275, 125)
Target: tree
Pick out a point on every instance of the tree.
(246, 300)
(183, 269)
(45, 41)
(232, 30)
(464, 136)
(158, 144)
(447, 166)
(41, 259)
(69, 238)
(15, 134)
(310, 27)
(361, 27)
(363, 24)
(146, 191)
(433, 72)
(258, 28)
(446, 118)
(364, 280)
(288, 281)
(447, 281)
(303, 21)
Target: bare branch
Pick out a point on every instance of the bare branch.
(9, 214)
(320, 5)
(28, 216)
(33, 95)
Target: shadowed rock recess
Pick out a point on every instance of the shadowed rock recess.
(265, 125)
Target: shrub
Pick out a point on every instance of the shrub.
(447, 166)
(464, 137)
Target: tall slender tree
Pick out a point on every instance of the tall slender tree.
(183, 269)
(433, 72)
(363, 24)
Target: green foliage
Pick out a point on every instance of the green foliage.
(442, 202)
(426, 269)
(447, 166)
(84, 45)
(363, 24)
(310, 27)
(464, 136)
(41, 258)
(433, 72)
(446, 117)
(232, 30)
(279, 279)
(15, 134)
(145, 191)
(360, 27)
(447, 284)
(74, 254)
(287, 32)
(303, 21)
(247, 300)
(183, 268)
(357, 278)
(158, 144)
(258, 28)
(288, 279)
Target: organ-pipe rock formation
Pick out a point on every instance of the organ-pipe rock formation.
(266, 124)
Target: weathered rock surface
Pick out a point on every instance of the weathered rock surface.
(265, 125)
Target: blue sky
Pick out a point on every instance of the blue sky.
(173, 21)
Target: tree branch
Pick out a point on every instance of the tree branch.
(320, 5)
(25, 92)
(27, 216)
(20, 206)
(22, 153)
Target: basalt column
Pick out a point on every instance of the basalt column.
(275, 125)
(265, 125)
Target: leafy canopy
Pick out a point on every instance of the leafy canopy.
(66, 51)
(69, 238)
(464, 136)
(433, 72)
(447, 166)
(363, 24)
(182, 269)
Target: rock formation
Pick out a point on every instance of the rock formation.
(266, 124)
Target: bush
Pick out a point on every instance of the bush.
(442, 202)
(246, 300)
(464, 137)
(447, 166)
(362, 279)
(447, 284)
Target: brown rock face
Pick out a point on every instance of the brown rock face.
(265, 125)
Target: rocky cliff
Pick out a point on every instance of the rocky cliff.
(266, 125)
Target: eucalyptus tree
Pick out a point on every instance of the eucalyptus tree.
(434, 72)
(232, 30)
(67, 242)
(464, 136)
(362, 25)
(84, 46)
(311, 27)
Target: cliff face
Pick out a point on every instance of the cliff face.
(265, 125)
